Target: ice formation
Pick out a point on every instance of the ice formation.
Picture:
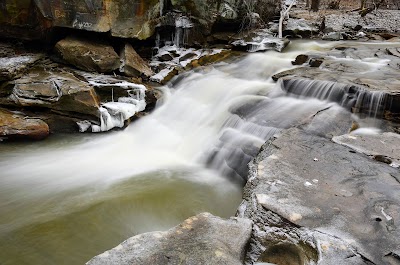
(114, 114)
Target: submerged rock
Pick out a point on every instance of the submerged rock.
(15, 126)
(88, 55)
(202, 239)
(316, 201)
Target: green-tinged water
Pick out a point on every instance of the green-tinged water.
(72, 226)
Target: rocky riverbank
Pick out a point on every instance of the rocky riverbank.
(323, 191)
(320, 191)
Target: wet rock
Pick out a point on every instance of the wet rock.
(314, 62)
(348, 75)
(300, 59)
(88, 55)
(13, 66)
(15, 126)
(133, 64)
(322, 202)
(202, 239)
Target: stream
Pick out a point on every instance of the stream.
(71, 197)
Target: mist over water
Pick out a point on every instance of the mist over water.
(69, 198)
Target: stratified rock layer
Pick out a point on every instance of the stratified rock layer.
(203, 239)
(31, 19)
(15, 126)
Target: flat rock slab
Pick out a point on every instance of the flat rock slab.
(384, 147)
(203, 239)
(321, 186)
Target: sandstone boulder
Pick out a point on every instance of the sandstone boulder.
(56, 90)
(202, 239)
(88, 55)
(132, 64)
(15, 126)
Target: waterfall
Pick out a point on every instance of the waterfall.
(352, 97)
(190, 155)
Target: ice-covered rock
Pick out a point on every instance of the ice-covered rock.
(115, 114)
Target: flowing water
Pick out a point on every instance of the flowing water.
(69, 198)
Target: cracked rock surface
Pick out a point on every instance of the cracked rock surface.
(318, 202)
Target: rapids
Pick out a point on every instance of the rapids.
(69, 198)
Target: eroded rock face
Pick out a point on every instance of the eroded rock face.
(202, 239)
(57, 90)
(15, 126)
(31, 19)
(321, 201)
(88, 55)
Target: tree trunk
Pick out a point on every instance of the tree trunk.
(314, 5)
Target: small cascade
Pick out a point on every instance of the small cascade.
(114, 114)
(354, 98)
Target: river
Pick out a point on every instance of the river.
(70, 197)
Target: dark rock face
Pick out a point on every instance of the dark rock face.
(311, 199)
(32, 19)
(15, 126)
(88, 55)
(202, 239)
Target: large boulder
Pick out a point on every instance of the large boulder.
(317, 202)
(132, 64)
(88, 55)
(15, 126)
(56, 90)
(202, 239)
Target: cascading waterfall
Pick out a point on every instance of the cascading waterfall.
(88, 193)
(351, 97)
